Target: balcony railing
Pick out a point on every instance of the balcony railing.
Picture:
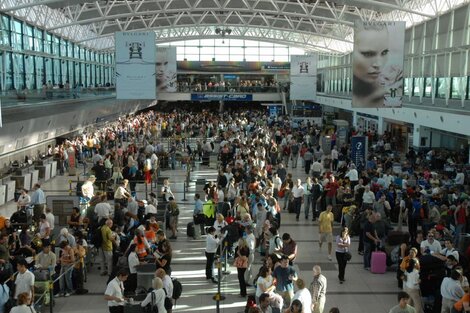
(12, 98)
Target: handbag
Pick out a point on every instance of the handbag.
(241, 262)
(152, 306)
(347, 256)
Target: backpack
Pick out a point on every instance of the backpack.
(168, 303)
(97, 239)
(177, 289)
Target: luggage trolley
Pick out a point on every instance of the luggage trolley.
(43, 286)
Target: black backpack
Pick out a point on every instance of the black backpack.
(177, 289)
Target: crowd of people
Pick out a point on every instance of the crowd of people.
(240, 212)
(229, 86)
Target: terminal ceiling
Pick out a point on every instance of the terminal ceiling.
(313, 25)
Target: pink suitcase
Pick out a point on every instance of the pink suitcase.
(378, 262)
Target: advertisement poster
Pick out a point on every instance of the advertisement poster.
(378, 64)
(135, 65)
(303, 77)
(359, 151)
(166, 69)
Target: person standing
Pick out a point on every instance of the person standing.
(114, 293)
(403, 306)
(304, 296)
(198, 216)
(325, 228)
(212, 243)
(38, 201)
(241, 262)
(343, 241)
(24, 282)
(308, 196)
(174, 212)
(316, 194)
(251, 243)
(298, 195)
(107, 248)
(411, 285)
(334, 158)
(370, 240)
(285, 276)
(67, 259)
(451, 291)
(318, 290)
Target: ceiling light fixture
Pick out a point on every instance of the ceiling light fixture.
(222, 32)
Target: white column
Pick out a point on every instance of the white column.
(354, 119)
(416, 135)
(380, 125)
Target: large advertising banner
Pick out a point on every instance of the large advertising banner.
(378, 64)
(135, 65)
(303, 77)
(166, 69)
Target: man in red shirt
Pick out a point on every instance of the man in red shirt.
(331, 187)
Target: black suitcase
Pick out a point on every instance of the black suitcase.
(190, 230)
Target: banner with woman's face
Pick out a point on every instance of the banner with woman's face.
(378, 64)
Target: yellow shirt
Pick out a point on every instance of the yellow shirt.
(107, 236)
(325, 221)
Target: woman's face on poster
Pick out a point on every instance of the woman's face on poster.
(370, 54)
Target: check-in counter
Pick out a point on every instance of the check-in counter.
(44, 166)
(53, 169)
(22, 181)
(10, 189)
(34, 177)
(3, 194)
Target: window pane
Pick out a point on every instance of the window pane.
(252, 51)
(206, 57)
(428, 87)
(252, 58)
(442, 83)
(281, 51)
(281, 58)
(192, 50)
(207, 50)
(179, 50)
(296, 51)
(236, 43)
(221, 50)
(266, 51)
(236, 50)
(265, 58)
(192, 43)
(236, 57)
(417, 87)
(222, 57)
(192, 57)
(458, 87)
(266, 44)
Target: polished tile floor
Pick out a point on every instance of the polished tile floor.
(362, 291)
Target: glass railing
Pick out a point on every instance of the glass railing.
(197, 88)
(13, 98)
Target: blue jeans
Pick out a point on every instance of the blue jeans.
(65, 281)
(307, 204)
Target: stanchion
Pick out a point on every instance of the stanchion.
(226, 272)
(218, 296)
(70, 187)
(184, 192)
(51, 296)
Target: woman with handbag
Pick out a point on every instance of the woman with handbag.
(155, 300)
(241, 263)
(343, 241)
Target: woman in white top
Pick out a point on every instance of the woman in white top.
(24, 199)
(343, 241)
(158, 296)
(24, 299)
(411, 285)
(265, 284)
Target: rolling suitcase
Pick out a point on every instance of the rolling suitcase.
(190, 229)
(378, 262)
